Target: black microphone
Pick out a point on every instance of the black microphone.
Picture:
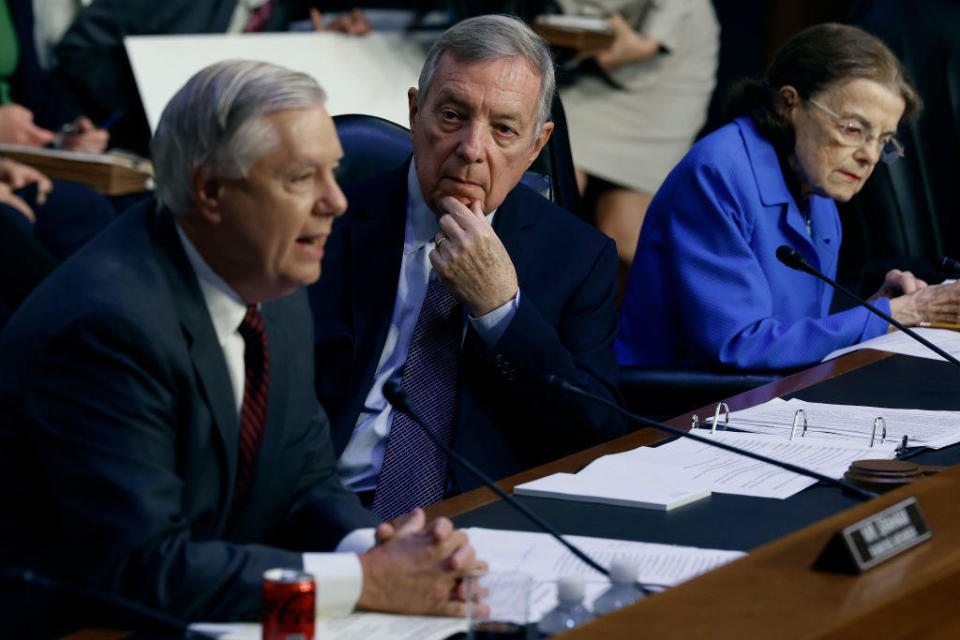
(846, 486)
(793, 259)
(948, 266)
(397, 396)
(88, 593)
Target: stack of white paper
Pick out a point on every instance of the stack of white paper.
(618, 486)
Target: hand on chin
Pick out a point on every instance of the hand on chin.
(448, 204)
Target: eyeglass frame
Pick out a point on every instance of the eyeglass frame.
(888, 157)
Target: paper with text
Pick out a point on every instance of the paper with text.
(726, 472)
(538, 554)
(852, 423)
(899, 342)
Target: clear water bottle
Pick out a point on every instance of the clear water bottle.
(622, 591)
(570, 611)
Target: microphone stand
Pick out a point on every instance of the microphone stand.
(89, 593)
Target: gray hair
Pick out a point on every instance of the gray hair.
(493, 37)
(216, 121)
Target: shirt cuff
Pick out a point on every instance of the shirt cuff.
(876, 326)
(338, 575)
(493, 325)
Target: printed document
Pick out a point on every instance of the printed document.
(851, 423)
(899, 342)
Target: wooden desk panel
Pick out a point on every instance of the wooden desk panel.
(773, 592)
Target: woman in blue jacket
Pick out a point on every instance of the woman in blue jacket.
(706, 287)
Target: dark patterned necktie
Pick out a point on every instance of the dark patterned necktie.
(414, 471)
(256, 386)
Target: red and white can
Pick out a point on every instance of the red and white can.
(288, 609)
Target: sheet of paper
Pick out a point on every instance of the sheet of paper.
(851, 423)
(545, 559)
(368, 75)
(369, 626)
(899, 342)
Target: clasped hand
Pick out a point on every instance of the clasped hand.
(472, 263)
(416, 568)
(917, 302)
(14, 175)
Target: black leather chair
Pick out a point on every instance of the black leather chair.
(372, 145)
(661, 393)
(907, 213)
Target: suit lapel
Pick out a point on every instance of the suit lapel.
(204, 347)
(374, 254)
(512, 223)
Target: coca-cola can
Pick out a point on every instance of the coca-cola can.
(288, 610)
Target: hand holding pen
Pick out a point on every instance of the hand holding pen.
(83, 135)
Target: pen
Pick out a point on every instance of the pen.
(69, 129)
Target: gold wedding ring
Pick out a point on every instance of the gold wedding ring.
(441, 239)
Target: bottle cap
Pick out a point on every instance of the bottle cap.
(570, 589)
(623, 571)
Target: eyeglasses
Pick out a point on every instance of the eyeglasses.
(853, 133)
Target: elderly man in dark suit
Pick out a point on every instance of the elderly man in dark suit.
(161, 438)
(465, 286)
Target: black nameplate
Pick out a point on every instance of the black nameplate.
(865, 544)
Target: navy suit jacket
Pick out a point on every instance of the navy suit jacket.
(508, 419)
(118, 446)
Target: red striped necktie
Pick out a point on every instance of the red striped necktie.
(253, 413)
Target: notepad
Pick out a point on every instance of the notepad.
(620, 491)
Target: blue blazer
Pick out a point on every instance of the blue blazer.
(508, 419)
(118, 446)
(706, 287)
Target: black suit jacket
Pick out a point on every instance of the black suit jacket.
(118, 447)
(508, 419)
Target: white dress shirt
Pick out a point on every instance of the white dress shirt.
(339, 575)
(362, 458)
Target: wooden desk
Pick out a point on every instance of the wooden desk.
(773, 592)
